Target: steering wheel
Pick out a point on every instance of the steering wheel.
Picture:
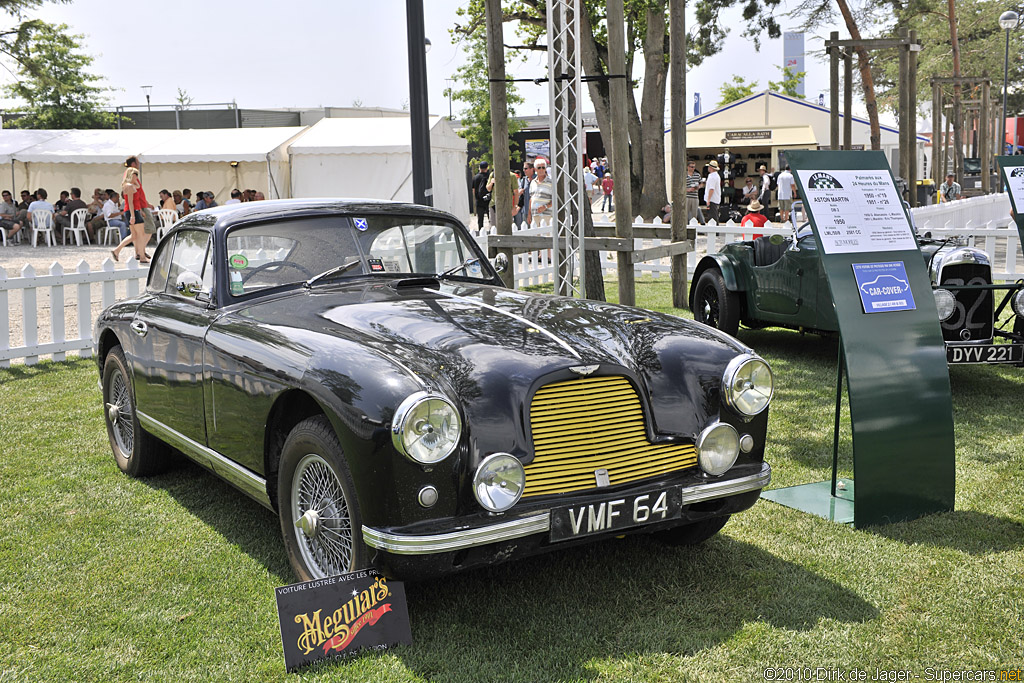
(264, 266)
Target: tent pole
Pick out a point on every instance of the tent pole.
(14, 190)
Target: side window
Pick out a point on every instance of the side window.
(158, 269)
(188, 257)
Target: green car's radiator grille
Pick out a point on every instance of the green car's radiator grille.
(597, 423)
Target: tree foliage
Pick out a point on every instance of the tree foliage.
(474, 92)
(736, 90)
(53, 83)
(789, 84)
(647, 39)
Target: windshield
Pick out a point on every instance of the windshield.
(329, 248)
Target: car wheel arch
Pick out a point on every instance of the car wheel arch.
(108, 340)
(723, 265)
(290, 408)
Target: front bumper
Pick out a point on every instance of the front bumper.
(538, 523)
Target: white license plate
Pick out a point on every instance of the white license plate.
(614, 513)
(985, 353)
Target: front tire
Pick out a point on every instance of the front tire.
(693, 534)
(714, 305)
(137, 452)
(320, 518)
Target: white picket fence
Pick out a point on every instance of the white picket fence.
(72, 300)
(61, 307)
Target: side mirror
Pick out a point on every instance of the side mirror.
(500, 263)
(189, 284)
(776, 239)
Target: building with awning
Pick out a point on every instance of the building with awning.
(760, 128)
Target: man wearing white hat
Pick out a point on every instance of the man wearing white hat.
(713, 190)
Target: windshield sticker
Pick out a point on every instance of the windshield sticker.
(238, 261)
(360, 223)
(376, 265)
(391, 266)
(474, 268)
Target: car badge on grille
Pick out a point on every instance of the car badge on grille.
(584, 369)
(602, 477)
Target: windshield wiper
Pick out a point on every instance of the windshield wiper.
(337, 270)
(461, 266)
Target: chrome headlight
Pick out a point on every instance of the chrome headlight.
(1018, 303)
(717, 448)
(426, 428)
(945, 302)
(498, 482)
(747, 385)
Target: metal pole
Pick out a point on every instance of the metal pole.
(833, 94)
(422, 186)
(839, 410)
(1002, 125)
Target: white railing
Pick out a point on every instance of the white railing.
(55, 311)
(72, 304)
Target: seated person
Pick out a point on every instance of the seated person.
(63, 216)
(754, 216)
(748, 192)
(110, 215)
(40, 204)
(8, 215)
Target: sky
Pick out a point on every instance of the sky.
(313, 53)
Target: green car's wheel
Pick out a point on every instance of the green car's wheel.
(714, 304)
(320, 519)
(693, 534)
(137, 452)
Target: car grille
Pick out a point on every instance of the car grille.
(974, 306)
(596, 423)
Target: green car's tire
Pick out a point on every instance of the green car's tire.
(714, 305)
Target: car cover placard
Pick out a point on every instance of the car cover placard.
(883, 287)
(857, 211)
(339, 615)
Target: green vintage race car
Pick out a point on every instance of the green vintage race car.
(779, 282)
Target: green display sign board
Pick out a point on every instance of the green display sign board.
(895, 359)
(1012, 169)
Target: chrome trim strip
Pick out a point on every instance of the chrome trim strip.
(548, 333)
(403, 544)
(730, 487)
(456, 540)
(245, 480)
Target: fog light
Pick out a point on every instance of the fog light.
(718, 446)
(945, 302)
(498, 482)
(428, 496)
(746, 443)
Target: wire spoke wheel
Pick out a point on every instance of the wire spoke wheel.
(121, 414)
(321, 517)
(709, 305)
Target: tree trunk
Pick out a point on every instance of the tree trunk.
(652, 114)
(864, 63)
(958, 140)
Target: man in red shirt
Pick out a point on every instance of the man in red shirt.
(607, 185)
(754, 217)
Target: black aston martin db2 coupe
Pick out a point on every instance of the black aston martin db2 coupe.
(359, 368)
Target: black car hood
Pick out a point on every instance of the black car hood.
(490, 348)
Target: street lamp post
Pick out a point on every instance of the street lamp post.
(449, 81)
(422, 186)
(146, 89)
(1007, 21)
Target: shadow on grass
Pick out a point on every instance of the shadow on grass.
(45, 368)
(243, 522)
(549, 617)
(971, 532)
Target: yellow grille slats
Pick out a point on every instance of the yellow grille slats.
(582, 425)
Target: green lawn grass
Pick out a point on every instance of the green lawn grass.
(171, 579)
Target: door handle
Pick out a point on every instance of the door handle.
(140, 328)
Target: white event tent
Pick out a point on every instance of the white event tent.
(13, 141)
(372, 158)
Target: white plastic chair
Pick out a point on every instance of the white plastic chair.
(42, 222)
(110, 234)
(77, 227)
(167, 218)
